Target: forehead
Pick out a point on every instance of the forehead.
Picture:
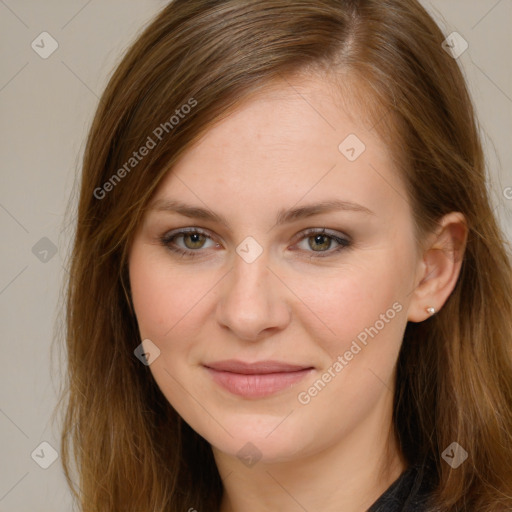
(294, 139)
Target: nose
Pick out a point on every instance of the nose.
(253, 301)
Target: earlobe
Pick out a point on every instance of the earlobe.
(439, 267)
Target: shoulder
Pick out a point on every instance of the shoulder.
(411, 492)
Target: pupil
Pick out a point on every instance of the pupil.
(192, 240)
(321, 240)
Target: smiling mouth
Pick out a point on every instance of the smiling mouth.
(256, 380)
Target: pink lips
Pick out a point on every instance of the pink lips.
(255, 380)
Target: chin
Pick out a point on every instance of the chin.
(264, 439)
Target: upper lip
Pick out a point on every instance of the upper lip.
(259, 367)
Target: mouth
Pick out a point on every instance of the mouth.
(256, 380)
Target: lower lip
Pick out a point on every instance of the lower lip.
(257, 385)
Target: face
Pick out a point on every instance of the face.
(279, 316)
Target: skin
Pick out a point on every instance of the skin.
(279, 150)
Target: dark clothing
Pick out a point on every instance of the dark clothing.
(408, 493)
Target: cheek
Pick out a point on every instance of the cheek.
(345, 303)
(363, 317)
(163, 296)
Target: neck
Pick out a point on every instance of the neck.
(349, 475)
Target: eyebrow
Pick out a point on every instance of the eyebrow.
(284, 216)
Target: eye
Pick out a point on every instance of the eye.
(194, 239)
(320, 241)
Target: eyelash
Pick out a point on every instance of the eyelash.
(167, 241)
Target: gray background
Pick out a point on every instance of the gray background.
(47, 106)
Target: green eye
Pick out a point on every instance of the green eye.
(195, 240)
(319, 242)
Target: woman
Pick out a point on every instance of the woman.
(288, 290)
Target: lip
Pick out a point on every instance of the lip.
(258, 379)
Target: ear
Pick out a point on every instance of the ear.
(439, 266)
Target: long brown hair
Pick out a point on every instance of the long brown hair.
(129, 448)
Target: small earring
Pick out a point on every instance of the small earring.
(431, 310)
